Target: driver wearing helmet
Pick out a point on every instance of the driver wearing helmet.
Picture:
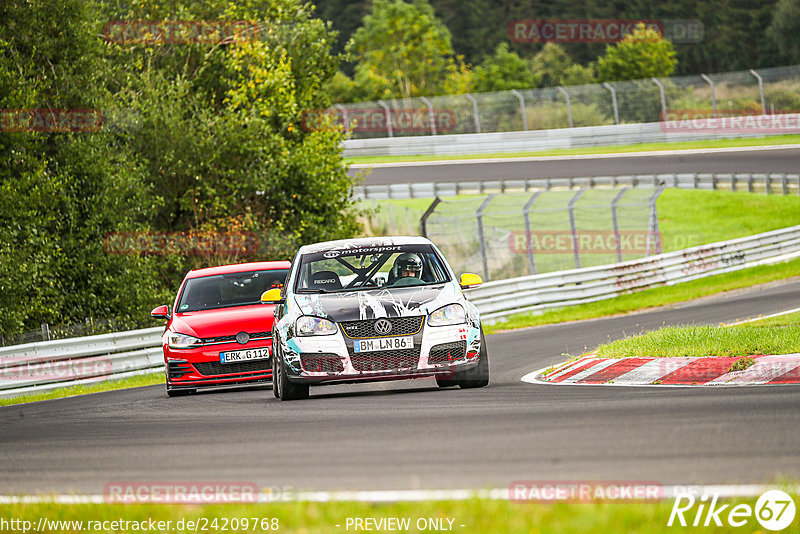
(408, 264)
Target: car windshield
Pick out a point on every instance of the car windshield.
(226, 290)
(370, 267)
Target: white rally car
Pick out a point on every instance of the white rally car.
(368, 309)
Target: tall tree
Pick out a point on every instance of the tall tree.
(403, 49)
(641, 54)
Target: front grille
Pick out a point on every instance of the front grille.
(401, 326)
(178, 368)
(228, 339)
(217, 368)
(447, 352)
(322, 363)
(388, 360)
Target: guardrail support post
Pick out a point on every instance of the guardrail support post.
(431, 117)
(423, 221)
(482, 235)
(522, 110)
(526, 213)
(569, 104)
(653, 230)
(613, 100)
(345, 117)
(760, 91)
(573, 226)
(615, 220)
(475, 112)
(710, 83)
(388, 113)
(45, 332)
(663, 98)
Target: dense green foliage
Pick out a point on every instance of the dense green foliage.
(205, 138)
(735, 36)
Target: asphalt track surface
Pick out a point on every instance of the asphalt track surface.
(410, 435)
(747, 161)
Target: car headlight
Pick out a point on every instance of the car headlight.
(314, 326)
(181, 341)
(447, 315)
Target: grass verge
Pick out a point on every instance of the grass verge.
(775, 335)
(622, 149)
(475, 515)
(106, 385)
(655, 297)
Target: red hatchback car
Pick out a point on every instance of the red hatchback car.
(218, 332)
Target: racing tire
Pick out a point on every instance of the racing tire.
(446, 381)
(478, 376)
(287, 390)
(275, 391)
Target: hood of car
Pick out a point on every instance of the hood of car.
(363, 305)
(225, 321)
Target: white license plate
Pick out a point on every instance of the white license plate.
(244, 355)
(383, 343)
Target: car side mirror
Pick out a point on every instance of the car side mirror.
(469, 280)
(272, 296)
(161, 312)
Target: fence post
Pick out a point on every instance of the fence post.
(573, 226)
(388, 113)
(345, 117)
(760, 91)
(431, 117)
(423, 221)
(615, 220)
(526, 213)
(45, 332)
(713, 94)
(653, 226)
(663, 98)
(482, 235)
(613, 101)
(521, 108)
(475, 112)
(569, 104)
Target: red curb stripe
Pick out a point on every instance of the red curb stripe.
(700, 371)
(792, 377)
(614, 370)
(566, 365)
(577, 370)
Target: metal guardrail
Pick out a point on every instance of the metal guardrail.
(564, 288)
(48, 365)
(772, 183)
(45, 366)
(578, 137)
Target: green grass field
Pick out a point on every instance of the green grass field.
(622, 149)
(476, 516)
(106, 385)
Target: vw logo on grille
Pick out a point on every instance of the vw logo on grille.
(383, 327)
(242, 337)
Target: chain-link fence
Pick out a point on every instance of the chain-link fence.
(766, 91)
(507, 235)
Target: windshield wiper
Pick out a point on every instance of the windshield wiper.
(313, 290)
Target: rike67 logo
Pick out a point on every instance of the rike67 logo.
(774, 511)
